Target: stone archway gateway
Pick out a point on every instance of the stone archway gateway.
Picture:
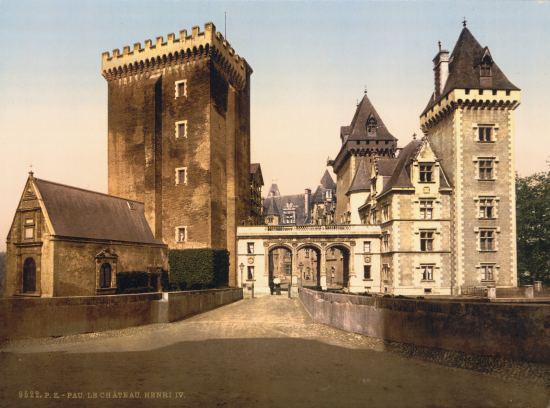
(280, 265)
(308, 265)
(337, 260)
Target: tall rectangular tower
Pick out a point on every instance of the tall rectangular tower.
(469, 122)
(179, 136)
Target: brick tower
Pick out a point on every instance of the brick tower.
(469, 122)
(179, 136)
(364, 139)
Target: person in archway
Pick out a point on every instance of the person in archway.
(277, 284)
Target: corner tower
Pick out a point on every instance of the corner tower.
(179, 136)
(469, 122)
(364, 139)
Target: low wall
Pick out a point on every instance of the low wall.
(61, 316)
(519, 331)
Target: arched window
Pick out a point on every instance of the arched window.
(105, 275)
(29, 275)
(371, 125)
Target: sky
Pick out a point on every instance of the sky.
(312, 61)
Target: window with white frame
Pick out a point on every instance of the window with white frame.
(486, 207)
(426, 208)
(426, 172)
(485, 133)
(181, 129)
(366, 272)
(427, 272)
(486, 239)
(180, 88)
(181, 234)
(426, 240)
(366, 246)
(181, 175)
(29, 228)
(289, 216)
(486, 168)
(250, 247)
(487, 272)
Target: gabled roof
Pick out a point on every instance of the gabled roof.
(256, 170)
(385, 167)
(275, 205)
(358, 127)
(77, 213)
(464, 72)
(401, 174)
(361, 181)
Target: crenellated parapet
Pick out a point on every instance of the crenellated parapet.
(175, 51)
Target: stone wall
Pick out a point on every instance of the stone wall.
(43, 317)
(518, 331)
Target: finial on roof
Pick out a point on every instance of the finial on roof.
(464, 22)
(357, 102)
(31, 173)
(365, 89)
(439, 45)
(414, 136)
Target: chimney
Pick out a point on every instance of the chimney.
(441, 70)
(307, 197)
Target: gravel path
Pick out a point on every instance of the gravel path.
(263, 352)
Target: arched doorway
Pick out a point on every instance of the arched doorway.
(337, 267)
(309, 266)
(280, 265)
(29, 275)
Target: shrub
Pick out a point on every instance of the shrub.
(133, 282)
(199, 268)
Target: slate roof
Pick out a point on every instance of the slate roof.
(401, 174)
(464, 68)
(358, 128)
(256, 170)
(326, 183)
(78, 213)
(276, 204)
(273, 191)
(361, 181)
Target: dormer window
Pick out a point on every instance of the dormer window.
(371, 126)
(485, 67)
(426, 172)
(328, 195)
(289, 216)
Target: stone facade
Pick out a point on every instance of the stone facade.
(55, 246)
(179, 137)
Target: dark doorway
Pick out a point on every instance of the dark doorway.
(337, 267)
(280, 266)
(29, 275)
(309, 266)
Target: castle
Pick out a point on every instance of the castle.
(436, 217)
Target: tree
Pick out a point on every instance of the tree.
(533, 227)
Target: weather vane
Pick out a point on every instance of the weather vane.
(464, 22)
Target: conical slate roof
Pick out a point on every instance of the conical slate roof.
(358, 127)
(327, 181)
(272, 208)
(274, 191)
(464, 68)
(361, 180)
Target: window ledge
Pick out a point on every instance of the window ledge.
(427, 281)
(487, 250)
(105, 291)
(367, 280)
(488, 281)
(28, 294)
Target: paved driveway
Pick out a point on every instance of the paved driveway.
(263, 352)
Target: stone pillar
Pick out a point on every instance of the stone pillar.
(538, 286)
(529, 293)
(323, 282)
(491, 292)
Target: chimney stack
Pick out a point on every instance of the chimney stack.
(307, 197)
(441, 70)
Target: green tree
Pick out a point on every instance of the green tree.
(533, 227)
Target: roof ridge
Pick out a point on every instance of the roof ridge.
(86, 190)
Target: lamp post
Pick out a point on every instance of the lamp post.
(241, 266)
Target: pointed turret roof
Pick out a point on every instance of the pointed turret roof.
(274, 191)
(327, 181)
(361, 180)
(358, 128)
(464, 68)
(272, 208)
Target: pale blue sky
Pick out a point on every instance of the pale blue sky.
(311, 61)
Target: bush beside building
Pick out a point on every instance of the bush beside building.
(199, 268)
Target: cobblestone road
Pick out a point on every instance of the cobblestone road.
(263, 352)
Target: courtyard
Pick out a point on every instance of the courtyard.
(263, 352)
